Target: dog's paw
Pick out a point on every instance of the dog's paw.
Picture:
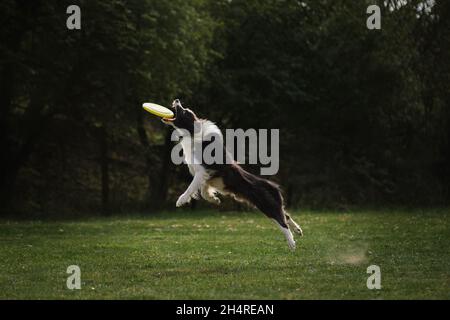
(182, 200)
(299, 231)
(212, 199)
(216, 200)
(292, 245)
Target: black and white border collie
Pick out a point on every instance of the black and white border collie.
(228, 178)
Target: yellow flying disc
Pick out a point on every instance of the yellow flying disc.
(158, 110)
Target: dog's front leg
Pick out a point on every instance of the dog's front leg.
(193, 189)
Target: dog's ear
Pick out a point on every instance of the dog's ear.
(176, 103)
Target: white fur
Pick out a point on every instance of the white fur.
(288, 235)
(200, 174)
(295, 226)
(199, 179)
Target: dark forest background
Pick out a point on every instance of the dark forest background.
(364, 115)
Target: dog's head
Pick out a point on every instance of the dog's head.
(184, 118)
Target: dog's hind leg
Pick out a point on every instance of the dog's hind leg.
(273, 208)
(294, 225)
(280, 219)
(287, 233)
(208, 193)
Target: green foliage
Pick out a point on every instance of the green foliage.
(363, 114)
(70, 83)
(358, 120)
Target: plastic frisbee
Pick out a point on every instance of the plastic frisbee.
(158, 110)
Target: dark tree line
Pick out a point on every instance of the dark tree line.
(363, 114)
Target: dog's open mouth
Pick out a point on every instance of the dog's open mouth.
(168, 120)
(175, 111)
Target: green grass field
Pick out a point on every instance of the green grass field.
(216, 255)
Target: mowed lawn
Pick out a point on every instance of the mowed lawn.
(217, 255)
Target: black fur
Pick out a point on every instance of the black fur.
(261, 193)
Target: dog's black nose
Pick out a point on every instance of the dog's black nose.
(177, 101)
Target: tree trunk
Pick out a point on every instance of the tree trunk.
(160, 196)
(157, 190)
(14, 159)
(147, 152)
(104, 166)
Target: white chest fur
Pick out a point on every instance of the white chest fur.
(192, 145)
(187, 145)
